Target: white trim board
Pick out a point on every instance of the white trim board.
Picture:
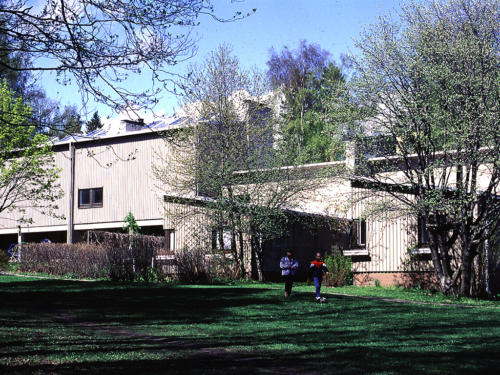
(50, 228)
(117, 224)
(91, 226)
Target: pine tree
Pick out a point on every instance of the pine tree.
(94, 123)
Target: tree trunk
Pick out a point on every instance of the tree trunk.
(257, 257)
(254, 273)
(242, 261)
(465, 286)
(487, 264)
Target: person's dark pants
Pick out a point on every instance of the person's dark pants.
(288, 284)
(317, 284)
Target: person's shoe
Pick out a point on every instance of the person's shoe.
(287, 294)
(318, 299)
(322, 300)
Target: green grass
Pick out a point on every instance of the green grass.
(415, 295)
(68, 327)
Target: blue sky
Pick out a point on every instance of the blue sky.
(330, 23)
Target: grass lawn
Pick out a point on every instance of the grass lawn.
(414, 295)
(60, 326)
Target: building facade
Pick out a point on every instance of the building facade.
(106, 175)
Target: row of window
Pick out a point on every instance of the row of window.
(93, 197)
(357, 235)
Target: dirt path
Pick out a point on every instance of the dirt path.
(266, 363)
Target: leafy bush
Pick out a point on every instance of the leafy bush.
(340, 269)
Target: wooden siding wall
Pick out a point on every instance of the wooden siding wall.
(189, 223)
(388, 235)
(10, 219)
(122, 167)
(124, 170)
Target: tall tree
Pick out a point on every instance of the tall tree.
(66, 123)
(234, 169)
(94, 123)
(28, 177)
(98, 44)
(432, 81)
(13, 68)
(310, 82)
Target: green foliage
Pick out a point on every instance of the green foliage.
(28, 177)
(340, 269)
(130, 225)
(313, 87)
(431, 80)
(93, 124)
(68, 122)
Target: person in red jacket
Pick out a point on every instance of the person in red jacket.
(316, 270)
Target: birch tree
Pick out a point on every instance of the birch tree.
(431, 79)
(232, 165)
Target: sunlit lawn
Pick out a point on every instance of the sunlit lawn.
(60, 326)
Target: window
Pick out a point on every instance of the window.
(169, 239)
(226, 240)
(358, 234)
(423, 233)
(88, 198)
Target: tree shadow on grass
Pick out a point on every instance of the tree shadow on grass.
(119, 328)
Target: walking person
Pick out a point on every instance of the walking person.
(316, 270)
(288, 265)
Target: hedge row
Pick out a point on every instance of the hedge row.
(120, 257)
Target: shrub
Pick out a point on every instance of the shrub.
(201, 266)
(339, 267)
(80, 260)
(124, 257)
(118, 257)
(130, 257)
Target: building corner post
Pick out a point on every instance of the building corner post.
(71, 195)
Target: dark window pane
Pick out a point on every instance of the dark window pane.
(97, 196)
(363, 232)
(85, 197)
(358, 234)
(423, 233)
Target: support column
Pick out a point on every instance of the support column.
(71, 194)
(19, 241)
